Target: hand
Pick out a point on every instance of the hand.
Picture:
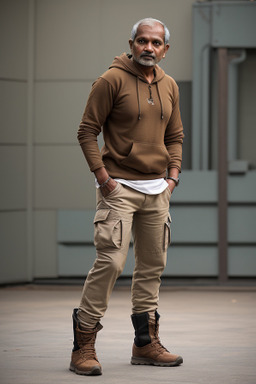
(171, 185)
(172, 172)
(109, 187)
(102, 175)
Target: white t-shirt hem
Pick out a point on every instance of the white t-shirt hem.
(149, 187)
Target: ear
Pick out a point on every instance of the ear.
(167, 46)
(130, 43)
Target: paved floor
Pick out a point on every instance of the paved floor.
(214, 329)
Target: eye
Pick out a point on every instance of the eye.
(141, 41)
(157, 43)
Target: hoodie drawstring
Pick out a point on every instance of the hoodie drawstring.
(138, 98)
(158, 92)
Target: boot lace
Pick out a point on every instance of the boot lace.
(87, 349)
(156, 343)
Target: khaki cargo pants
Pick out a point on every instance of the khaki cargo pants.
(123, 212)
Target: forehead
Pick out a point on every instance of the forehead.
(155, 31)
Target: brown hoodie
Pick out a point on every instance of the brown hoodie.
(141, 122)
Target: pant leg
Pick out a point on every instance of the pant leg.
(112, 234)
(151, 233)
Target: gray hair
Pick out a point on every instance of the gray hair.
(150, 21)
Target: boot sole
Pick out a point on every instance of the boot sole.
(144, 361)
(95, 371)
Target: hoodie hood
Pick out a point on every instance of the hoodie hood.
(125, 63)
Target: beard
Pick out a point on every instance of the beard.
(146, 60)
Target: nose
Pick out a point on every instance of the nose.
(149, 47)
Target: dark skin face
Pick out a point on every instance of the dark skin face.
(148, 47)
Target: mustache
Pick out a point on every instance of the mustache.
(147, 55)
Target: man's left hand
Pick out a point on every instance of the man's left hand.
(171, 185)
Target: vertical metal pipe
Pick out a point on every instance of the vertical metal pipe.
(30, 122)
(201, 44)
(205, 106)
(222, 162)
(235, 58)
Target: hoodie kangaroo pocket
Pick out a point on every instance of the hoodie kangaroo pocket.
(147, 158)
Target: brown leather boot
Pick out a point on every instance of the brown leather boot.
(83, 358)
(147, 348)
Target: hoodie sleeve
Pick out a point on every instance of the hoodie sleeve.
(98, 107)
(174, 133)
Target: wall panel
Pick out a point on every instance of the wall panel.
(242, 224)
(62, 178)
(197, 187)
(242, 261)
(192, 260)
(13, 112)
(242, 188)
(13, 240)
(68, 39)
(58, 111)
(194, 224)
(75, 226)
(13, 177)
(228, 24)
(13, 39)
(45, 246)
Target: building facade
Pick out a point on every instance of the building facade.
(51, 52)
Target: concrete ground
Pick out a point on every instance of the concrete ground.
(214, 329)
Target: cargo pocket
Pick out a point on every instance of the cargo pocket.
(107, 229)
(167, 232)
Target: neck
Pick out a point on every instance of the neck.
(148, 72)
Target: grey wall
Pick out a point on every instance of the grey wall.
(51, 51)
(13, 139)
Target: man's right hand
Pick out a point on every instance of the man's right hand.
(109, 187)
(102, 175)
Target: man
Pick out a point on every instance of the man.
(137, 105)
